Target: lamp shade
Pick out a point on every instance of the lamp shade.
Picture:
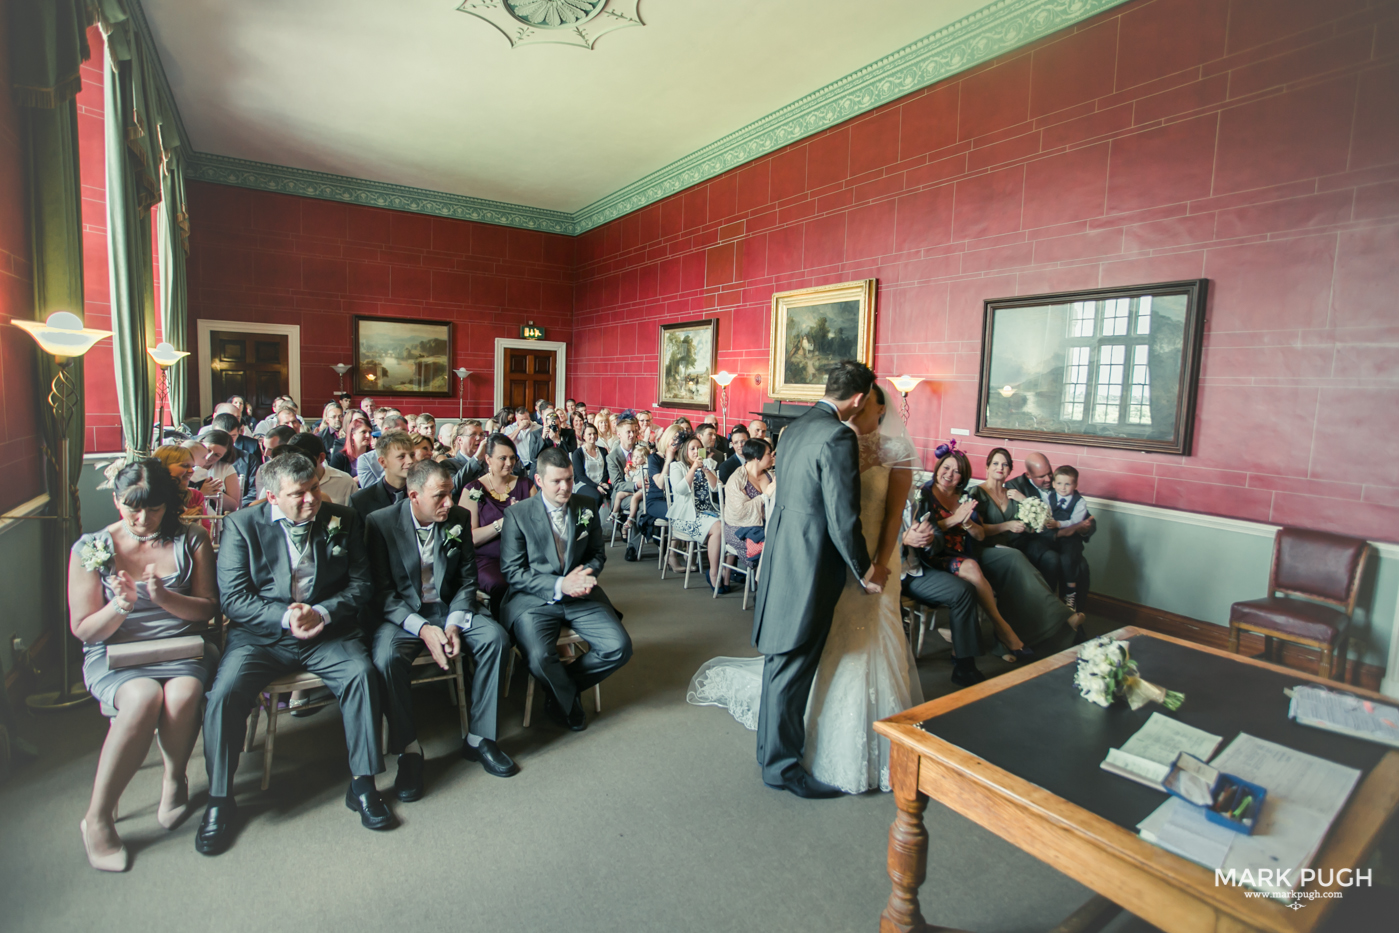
(166, 355)
(724, 377)
(63, 334)
(340, 368)
(905, 384)
(462, 372)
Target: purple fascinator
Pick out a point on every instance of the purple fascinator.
(942, 450)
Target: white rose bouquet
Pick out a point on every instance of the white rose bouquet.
(1106, 671)
(1033, 512)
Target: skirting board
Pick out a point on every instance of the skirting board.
(1217, 636)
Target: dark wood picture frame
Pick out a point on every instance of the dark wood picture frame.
(369, 374)
(1174, 397)
(703, 398)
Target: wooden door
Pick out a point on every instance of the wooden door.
(529, 376)
(255, 366)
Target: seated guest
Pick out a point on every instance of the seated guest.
(636, 500)
(424, 570)
(393, 452)
(487, 498)
(996, 507)
(333, 485)
(529, 440)
(242, 436)
(693, 514)
(518, 420)
(606, 424)
(1070, 513)
(469, 460)
(359, 440)
(274, 439)
(329, 431)
(292, 576)
(284, 411)
(573, 434)
(708, 436)
(619, 456)
(426, 425)
(215, 473)
(1038, 480)
(590, 468)
(242, 411)
(422, 447)
(146, 577)
(551, 554)
(445, 432)
(737, 438)
(746, 495)
(180, 463)
(369, 470)
(921, 580)
(758, 428)
(657, 470)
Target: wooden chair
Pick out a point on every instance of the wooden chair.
(571, 647)
(661, 525)
(1325, 571)
(454, 675)
(740, 564)
(688, 552)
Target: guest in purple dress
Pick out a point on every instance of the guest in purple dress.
(487, 498)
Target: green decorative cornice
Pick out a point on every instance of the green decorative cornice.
(263, 177)
(996, 29)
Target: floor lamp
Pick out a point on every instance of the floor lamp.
(165, 356)
(462, 375)
(340, 370)
(905, 385)
(63, 336)
(723, 377)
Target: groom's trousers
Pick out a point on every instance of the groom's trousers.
(787, 681)
(939, 588)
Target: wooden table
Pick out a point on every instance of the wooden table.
(1089, 837)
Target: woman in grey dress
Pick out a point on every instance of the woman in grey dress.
(146, 576)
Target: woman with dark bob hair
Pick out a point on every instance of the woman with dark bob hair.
(145, 577)
(486, 498)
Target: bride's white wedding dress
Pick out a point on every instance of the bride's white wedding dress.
(866, 673)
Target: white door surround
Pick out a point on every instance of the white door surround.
(501, 343)
(206, 382)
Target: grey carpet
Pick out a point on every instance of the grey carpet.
(653, 819)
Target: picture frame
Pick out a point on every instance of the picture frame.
(813, 328)
(1105, 367)
(688, 356)
(402, 358)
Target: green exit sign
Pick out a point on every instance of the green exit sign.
(530, 332)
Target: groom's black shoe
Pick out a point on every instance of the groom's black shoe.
(804, 785)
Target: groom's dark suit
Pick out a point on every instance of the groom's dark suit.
(257, 582)
(813, 535)
(530, 561)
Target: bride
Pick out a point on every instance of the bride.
(867, 671)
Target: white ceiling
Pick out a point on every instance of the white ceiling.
(416, 93)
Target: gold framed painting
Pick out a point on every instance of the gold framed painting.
(687, 360)
(815, 328)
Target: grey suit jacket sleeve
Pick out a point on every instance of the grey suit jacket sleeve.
(515, 562)
(238, 592)
(381, 572)
(616, 465)
(344, 604)
(464, 600)
(840, 474)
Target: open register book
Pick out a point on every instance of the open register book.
(1345, 714)
(1147, 756)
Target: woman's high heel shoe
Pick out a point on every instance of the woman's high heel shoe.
(115, 861)
(1023, 653)
(172, 816)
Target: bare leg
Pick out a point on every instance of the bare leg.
(128, 740)
(179, 726)
(971, 572)
(715, 543)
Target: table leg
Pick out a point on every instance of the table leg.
(908, 846)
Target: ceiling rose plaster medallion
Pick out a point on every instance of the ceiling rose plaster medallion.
(557, 22)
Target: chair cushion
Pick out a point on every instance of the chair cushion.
(1316, 563)
(1290, 617)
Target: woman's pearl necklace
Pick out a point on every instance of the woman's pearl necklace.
(142, 538)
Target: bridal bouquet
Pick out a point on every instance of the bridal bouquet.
(1033, 512)
(1106, 671)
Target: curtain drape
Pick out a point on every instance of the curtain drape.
(172, 237)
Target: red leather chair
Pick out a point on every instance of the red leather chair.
(1323, 568)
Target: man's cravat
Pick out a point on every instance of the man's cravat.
(558, 517)
(298, 533)
(424, 536)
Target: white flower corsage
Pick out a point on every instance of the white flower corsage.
(584, 519)
(474, 495)
(332, 532)
(453, 535)
(95, 555)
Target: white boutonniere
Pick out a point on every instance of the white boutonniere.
(474, 495)
(453, 535)
(333, 531)
(95, 555)
(584, 519)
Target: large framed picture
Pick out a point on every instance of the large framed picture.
(404, 358)
(689, 354)
(1110, 367)
(814, 328)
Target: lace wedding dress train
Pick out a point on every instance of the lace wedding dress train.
(866, 673)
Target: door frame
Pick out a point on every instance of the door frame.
(514, 343)
(206, 379)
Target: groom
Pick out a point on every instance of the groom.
(813, 535)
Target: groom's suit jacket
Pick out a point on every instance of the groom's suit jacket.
(530, 561)
(255, 573)
(397, 567)
(813, 533)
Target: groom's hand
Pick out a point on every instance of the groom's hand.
(876, 578)
(579, 582)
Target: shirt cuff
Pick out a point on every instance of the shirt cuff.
(558, 590)
(461, 619)
(323, 612)
(286, 620)
(414, 624)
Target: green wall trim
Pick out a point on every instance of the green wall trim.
(997, 28)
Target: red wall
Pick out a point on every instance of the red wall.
(282, 259)
(20, 462)
(1252, 142)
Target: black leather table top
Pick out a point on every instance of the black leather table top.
(1044, 732)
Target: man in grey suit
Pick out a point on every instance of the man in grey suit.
(424, 569)
(293, 575)
(813, 535)
(550, 554)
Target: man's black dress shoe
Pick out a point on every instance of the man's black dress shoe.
(492, 759)
(804, 785)
(216, 830)
(573, 719)
(372, 810)
(408, 784)
(967, 675)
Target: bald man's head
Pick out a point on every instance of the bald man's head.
(1038, 469)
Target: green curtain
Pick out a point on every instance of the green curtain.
(48, 44)
(172, 238)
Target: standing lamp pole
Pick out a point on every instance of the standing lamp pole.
(165, 356)
(462, 375)
(905, 384)
(723, 377)
(340, 370)
(63, 336)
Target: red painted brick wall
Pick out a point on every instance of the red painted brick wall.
(20, 462)
(1252, 142)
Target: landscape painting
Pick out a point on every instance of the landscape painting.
(687, 360)
(815, 328)
(406, 358)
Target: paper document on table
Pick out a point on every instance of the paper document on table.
(1305, 795)
(1147, 756)
(1346, 714)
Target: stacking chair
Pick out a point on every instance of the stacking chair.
(661, 525)
(454, 675)
(740, 562)
(688, 552)
(571, 647)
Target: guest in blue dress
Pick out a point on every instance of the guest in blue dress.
(147, 576)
